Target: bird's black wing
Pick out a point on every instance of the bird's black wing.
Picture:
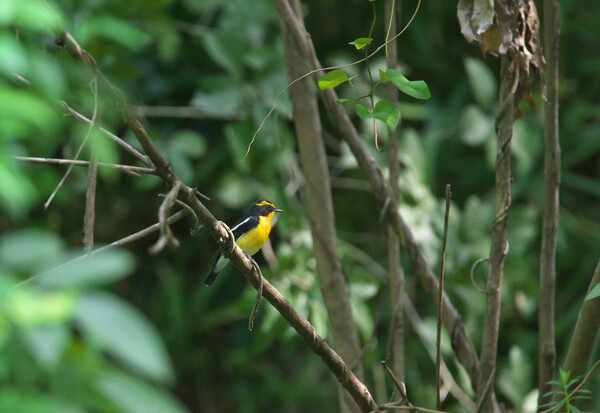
(244, 225)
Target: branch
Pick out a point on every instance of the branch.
(241, 261)
(461, 343)
(94, 87)
(547, 346)
(133, 170)
(90, 205)
(120, 242)
(127, 147)
(509, 78)
(585, 332)
(440, 307)
(319, 203)
(396, 274)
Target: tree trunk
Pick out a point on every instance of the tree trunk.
(547, 346)
(396, 274)
(585, 333)
(509, 73)
(319, 204)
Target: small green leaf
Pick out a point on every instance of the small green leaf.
(345, 101)
(81, 271)
(482, 82)
(415, 88)
(384, 111)
(332, 79)
(135, 396)
(361, 42)
(594, 293)
(362, 112)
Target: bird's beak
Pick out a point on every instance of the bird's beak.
(278, 210)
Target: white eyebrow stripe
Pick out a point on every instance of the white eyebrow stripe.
(240, 224)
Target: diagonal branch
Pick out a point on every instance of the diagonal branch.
(461, 343)
(241, 261)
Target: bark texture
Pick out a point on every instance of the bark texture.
(585, 333)
(318, 200)
(547, 346)
(396, 274)
(509, 76)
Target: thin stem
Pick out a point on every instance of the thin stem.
(441, 295)
(94, 86)
(134, 170)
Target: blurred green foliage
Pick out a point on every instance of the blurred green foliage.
(113, 333)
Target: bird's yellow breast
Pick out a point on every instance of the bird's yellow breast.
(251, 241)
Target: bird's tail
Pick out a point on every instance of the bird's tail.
(212, 275)
(211, 278)
(217, 264)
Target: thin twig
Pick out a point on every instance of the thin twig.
(259, 292)
(90, 204)
(473, 268)
(94, 87)
(317, 70)
(392, 406)
(166, 235)
(317, 344)
(132, 170)
(136, 236)
(127, 147)
(399, 385)
(441, 295)
(417, 324)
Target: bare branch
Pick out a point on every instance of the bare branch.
(166, 235)
(509, 75)
(121, 242)
(94, 86)
(127, 147)
(417, 324)
(585, 332)
(243, 263)
(396, 274)
(133, 170)
(461, 343)
(186, 112)
(90, 205)
(547, 346)
(440, 306)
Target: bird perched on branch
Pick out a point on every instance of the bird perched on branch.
(250, 233)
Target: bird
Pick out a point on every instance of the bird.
(250, 233)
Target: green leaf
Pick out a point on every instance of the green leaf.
(564, 375)
(482, 81)
(384, 111)
(28, 250)
(345, 101)
(594, 293)
(475, 126)
(125, 333)
(135, 396)
(361, 42)
(82, 271)
(47, 344)
(415, 88)
(188, 142)
(332, 79)
(118, 30)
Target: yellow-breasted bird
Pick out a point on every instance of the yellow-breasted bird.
(250, 233)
